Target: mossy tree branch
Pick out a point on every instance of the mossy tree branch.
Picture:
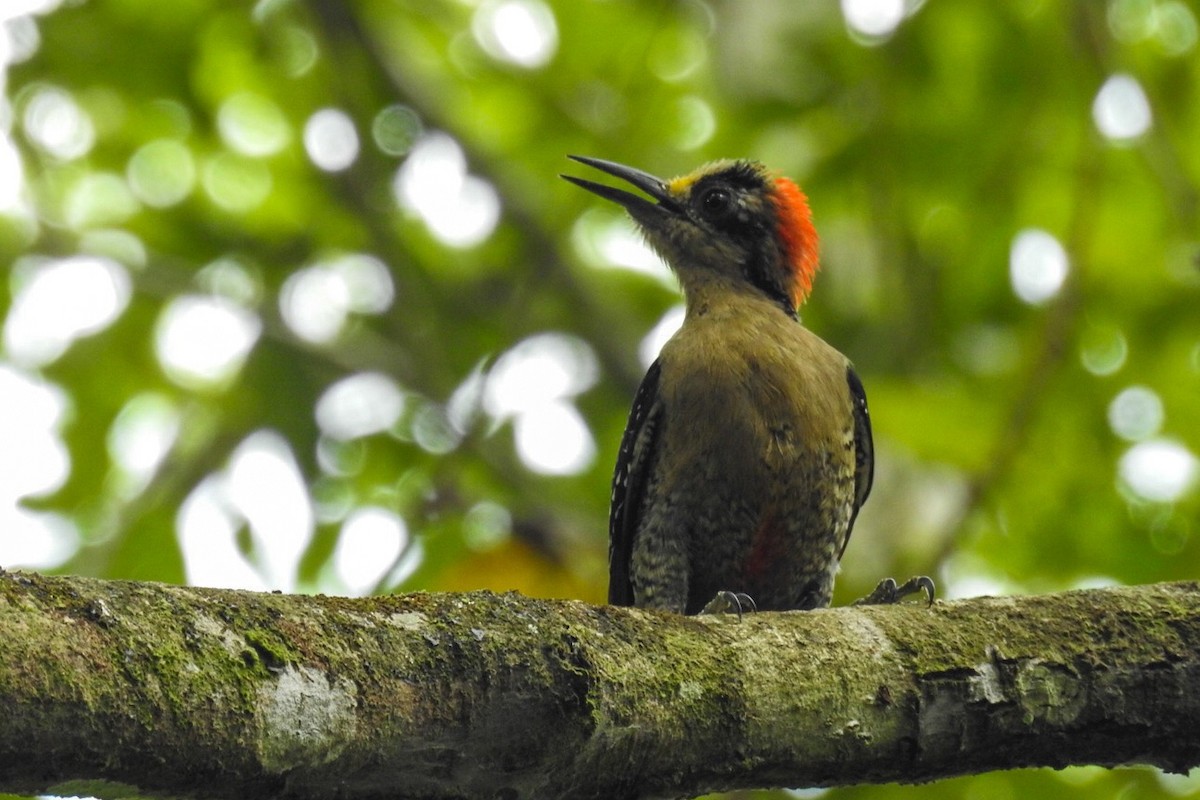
(232, 694)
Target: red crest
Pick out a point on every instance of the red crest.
(798, 236)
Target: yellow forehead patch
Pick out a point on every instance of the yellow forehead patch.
(682, 184)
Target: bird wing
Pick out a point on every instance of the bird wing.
(632, 473)
(864, 449)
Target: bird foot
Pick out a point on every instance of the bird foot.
(727, 602)
(888, 592)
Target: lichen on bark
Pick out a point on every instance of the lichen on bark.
(208, 692)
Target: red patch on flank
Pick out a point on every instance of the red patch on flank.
(766, 548)
(798, 235)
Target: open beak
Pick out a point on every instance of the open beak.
(638, 207)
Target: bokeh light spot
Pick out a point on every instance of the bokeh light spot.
(263, 488)
(1169, 531)
(316, 300)
(1169, 23)
(652, 344)
(1130, 20)
(99, 198)
(533, 384)
(555, 440)
(12, 176)
(264, 484)
(521, 32)
(161, 173)
(228, 277)
(539, 370)
(1159, 470)
(141, 436)
(874, 19)
(57, 301)
(1121, 110)
(206, 528)
(677, 54)
(1175, 27)
(696, 123)
(252, 125)
(21, 8)
(459, 209)
(19, 36)
(36, 539)
(1136, 413)
(359, 405)
(299, 50)
(202, 342)
(1037, 266)
(395, 129)
(1103, 350)
(331, 140)
(33, 459)
(965, 574)
(236, 184)
(56, 124)
(486, 525)
(119, 245)
(432, 429)
(369, 544)
(369, 287)
(605, 240)
(313, 303)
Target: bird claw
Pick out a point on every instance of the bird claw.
(727, 602)
(888, 592)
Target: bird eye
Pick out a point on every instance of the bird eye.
(716, 203)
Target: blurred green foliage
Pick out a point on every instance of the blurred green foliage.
(1005, 461)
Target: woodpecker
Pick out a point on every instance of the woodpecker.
(748, 450)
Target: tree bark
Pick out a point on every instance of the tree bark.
(204, 692)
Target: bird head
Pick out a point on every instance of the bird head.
(729, 219)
